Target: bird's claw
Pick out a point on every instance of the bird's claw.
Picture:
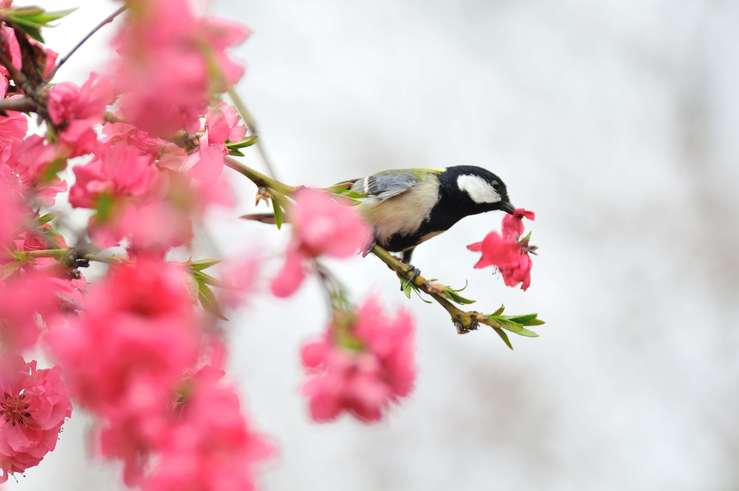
(410, 275)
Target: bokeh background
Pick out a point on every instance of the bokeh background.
(616, 122)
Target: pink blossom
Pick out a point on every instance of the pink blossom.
(214, 447)
(22, 297)
(138, 323)
(238, 280)
(360, 365)
(322, 226)
(33, 407)
(513, 223)
(78, 109)
(165, 71)
(10, 45)
(12, 207)
(507, 252)
(133, 429)
(34, 163)
(126, 354)
(13, 129)
(206, 174)
(291, 275)
(224, 124)
(167, 154)
(153, 227)
(118, 171)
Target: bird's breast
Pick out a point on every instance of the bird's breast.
(404, 214)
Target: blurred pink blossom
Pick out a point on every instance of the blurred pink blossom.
(213, 447)
(165, 69)
(139, 321)
(238, 279)
(23, 297)
(360, 368)
(323, 225)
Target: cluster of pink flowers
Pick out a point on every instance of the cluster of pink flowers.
(167, 59)
(508, 251)
(134, 348)
(127, 359)
(33, 406)
(361, 364)
(322, 225)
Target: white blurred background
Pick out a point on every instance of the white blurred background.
(616, 122)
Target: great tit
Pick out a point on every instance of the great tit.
(409, 206)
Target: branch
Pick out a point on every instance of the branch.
(261, 180)
(464, 321)
(23, 104)
(67, 256)
(105, 21)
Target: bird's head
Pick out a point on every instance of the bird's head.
(476, 190)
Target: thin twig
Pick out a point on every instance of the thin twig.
(62, 254)
(105, 21)
(251, 122)
(261, 180)
(21, 104)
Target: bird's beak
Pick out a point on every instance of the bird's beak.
(508, 208)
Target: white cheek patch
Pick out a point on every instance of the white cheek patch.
(479, 189)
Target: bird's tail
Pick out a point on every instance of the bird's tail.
(260, 217)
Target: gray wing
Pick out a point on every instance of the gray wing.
(385, 185)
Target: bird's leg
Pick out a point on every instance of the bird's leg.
(407, 255)
(412, 272)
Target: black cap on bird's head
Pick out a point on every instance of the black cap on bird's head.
(475, 190)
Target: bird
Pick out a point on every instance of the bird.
(407, 207)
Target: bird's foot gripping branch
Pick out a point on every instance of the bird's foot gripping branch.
(141, 148)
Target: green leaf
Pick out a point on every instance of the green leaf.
(455, 297)
(32, 31)
(32, 19)
(407, 287)
(204, 278)
(503, 336)
(209, 301)
(235, 152)
(499, 311)
(518, 329)
(104, 207)
(45, 218)
(279, 215)
(527, 320)
(35, 16)
(246, 142)
(202, 264)
(52, 169)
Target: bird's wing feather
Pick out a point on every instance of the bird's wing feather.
(388, 184)
(385, 186)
